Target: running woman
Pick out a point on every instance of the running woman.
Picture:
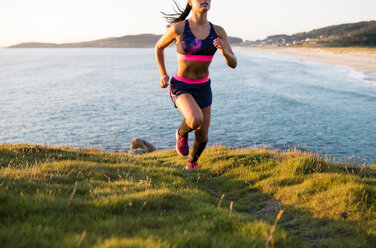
(196, 40)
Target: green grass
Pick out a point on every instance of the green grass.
(65, 197)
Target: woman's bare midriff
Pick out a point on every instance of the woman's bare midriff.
(193, 70)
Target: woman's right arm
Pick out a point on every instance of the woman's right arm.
(172, 33)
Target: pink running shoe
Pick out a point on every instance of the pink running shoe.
(182, 144)
(192, 166)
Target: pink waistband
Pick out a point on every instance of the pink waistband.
(195, 57)
(190, 81)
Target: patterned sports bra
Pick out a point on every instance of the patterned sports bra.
(195, 49)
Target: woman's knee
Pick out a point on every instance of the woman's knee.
(195, 122)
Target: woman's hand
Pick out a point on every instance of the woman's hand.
(223, 45)
(218, 43)
(164, 81)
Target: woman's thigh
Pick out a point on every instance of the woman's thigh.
(189, 107)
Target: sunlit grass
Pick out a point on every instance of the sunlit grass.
(65, 197)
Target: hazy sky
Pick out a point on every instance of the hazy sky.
(61, 21)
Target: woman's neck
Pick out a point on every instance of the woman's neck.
(199, 18)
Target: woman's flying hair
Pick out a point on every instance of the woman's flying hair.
(179, 15)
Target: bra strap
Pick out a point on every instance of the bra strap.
(212, 30)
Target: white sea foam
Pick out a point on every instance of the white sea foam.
(357, 74)
(367, 76)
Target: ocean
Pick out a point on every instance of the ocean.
(85, 97)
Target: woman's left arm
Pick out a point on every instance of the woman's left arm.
(222, 43)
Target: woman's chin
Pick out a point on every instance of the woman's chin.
(204, 9)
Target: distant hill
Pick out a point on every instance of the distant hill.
(128, 41)
(351, 34)
(235, 41)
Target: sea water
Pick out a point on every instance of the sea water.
(104, 97)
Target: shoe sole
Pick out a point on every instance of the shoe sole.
(189, 168)
(176, 146)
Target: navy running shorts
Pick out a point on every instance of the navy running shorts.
(200, 91)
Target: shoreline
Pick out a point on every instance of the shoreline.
(362, 59)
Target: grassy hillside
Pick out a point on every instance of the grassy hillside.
(360, 34)
(353, 34)
(64, 197)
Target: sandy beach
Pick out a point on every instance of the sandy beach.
(363, 59)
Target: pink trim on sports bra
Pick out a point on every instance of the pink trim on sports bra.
(190, 81)
(195, 57)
